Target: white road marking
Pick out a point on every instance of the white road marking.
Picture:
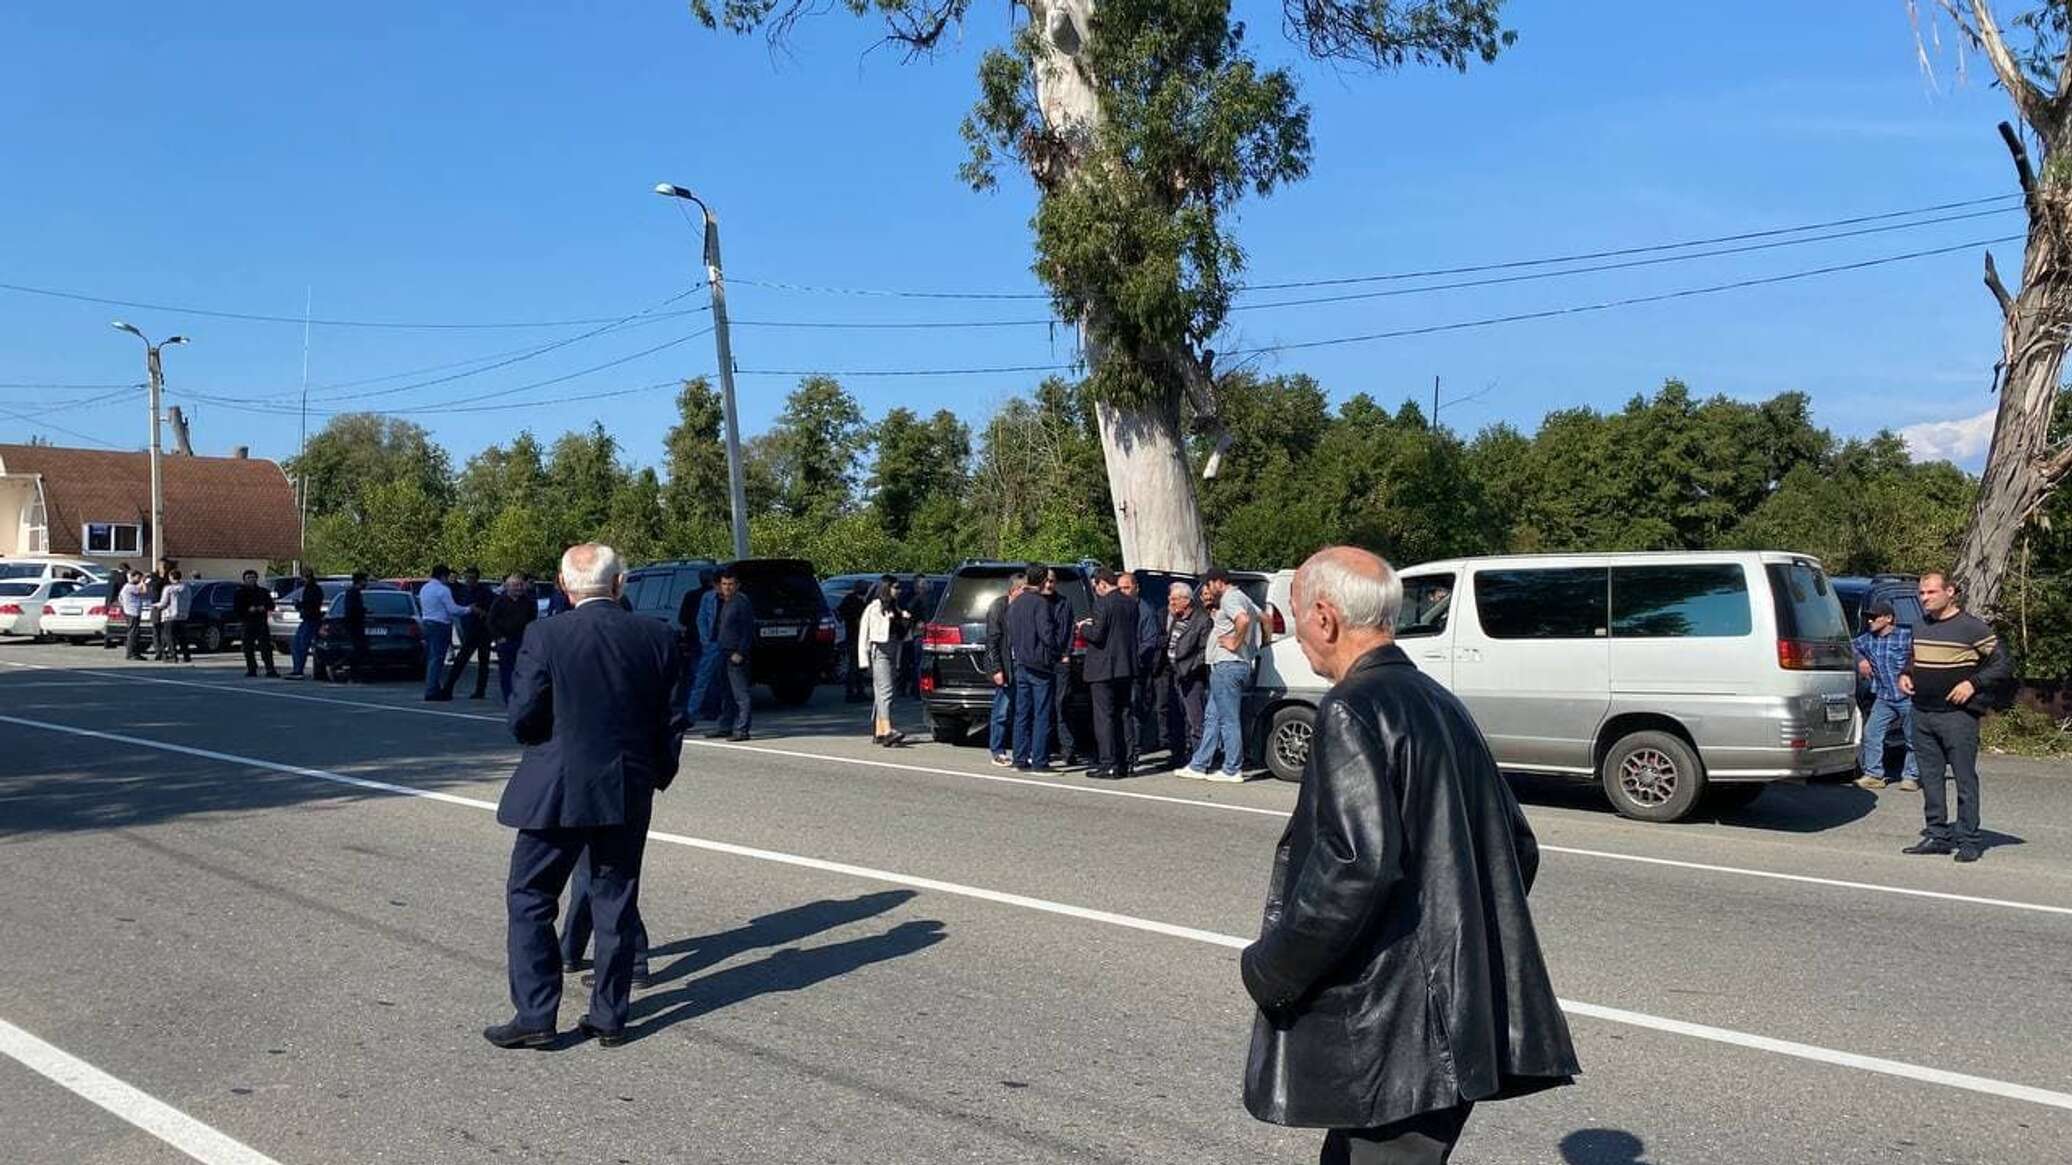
(1096, 790)
(141, 1109)
(1980, 1084)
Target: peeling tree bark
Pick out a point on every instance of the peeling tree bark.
(1150, 483)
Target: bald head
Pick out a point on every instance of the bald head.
(590, 570)
(1346, 601)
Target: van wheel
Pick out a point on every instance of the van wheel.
(1287, 741)
(948, 731)
(1653, 776)
(212, 638)
(792, 693)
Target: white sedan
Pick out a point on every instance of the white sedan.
(22, 602)
(79, 617)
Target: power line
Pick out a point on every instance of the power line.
(71, 387)
(36, 422)
(525, 352)
(773, 285)
(868, 372)
(1618, 266)
(260, 317)
(1607, 305)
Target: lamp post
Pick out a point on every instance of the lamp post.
(157, 376)
(737, 491)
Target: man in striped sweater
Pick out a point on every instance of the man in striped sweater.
(1957, 657)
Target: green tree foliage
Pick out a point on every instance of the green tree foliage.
(813, 448)
(917, 461)
(1038, 487)
(356, 449)
(695, 499)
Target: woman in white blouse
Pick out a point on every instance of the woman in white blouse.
(878, 636)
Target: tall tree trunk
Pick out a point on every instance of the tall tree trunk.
(1157, 512)
(2021, 467)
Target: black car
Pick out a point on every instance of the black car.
(1857, 594)
(956, 689)
(395, 636)
(212, 622)
(795, 632)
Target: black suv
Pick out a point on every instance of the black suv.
(795, 634)
(956, 689)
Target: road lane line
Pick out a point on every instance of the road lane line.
(1095, 790)
(1959, 1080)
(147, 1112)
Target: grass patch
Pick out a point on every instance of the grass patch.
(2023, 731)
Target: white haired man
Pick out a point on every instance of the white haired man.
(598, 703)
(1398, 976)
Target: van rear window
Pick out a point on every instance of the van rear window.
(1807, 607)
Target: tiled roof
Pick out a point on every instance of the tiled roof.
(215, 507)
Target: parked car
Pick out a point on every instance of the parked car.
(212, 622)
(543, 595)
(1662, 676)
(285, 620)
(1904, 593)
(37, 567)
(956, 689)
(79, 617)
(795, 632)
(23, 599)
(395, 635)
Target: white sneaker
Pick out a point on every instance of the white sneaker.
(1193, 774)
(1223, 778)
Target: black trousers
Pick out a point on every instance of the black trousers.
(1141, 729)
(1946, 743)
(1111, 718)
(1186, 695)
(1425, 1139)
(542, 860)
(576, 926)
(474, 640)
(256, 639)
(160, 649)
(133, 639)
(172, 643)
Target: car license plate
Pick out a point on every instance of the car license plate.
(778, 632)
(377, 631)
(1837, 710)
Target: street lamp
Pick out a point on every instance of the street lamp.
(157, 386)
(737, 491)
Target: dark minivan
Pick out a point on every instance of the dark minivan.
(795, 633)
(956, 689)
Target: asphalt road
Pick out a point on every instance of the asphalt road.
(896, 957)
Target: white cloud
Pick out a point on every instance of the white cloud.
(1961, 441)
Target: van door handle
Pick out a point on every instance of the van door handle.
(1435, 655)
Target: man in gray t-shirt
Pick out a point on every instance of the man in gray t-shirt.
(1233, 643)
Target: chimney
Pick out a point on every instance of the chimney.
(241, 452)
(178, 420)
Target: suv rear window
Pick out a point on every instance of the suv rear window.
(971, 591)
(390, 603)
(781, 589)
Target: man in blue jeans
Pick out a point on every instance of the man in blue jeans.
(1882, 654)
(438, 611)
(1000, 666)
(1036, 645)
(1233, 645)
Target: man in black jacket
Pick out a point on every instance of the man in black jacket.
(1035, 646)
(1398, 976)
(1146, 713)
(352, 611)
(733, 636)
(598, 704)
(251, 604)
(1000, 668)
(1110, 670)
(1182, 688)
(856, 679)
(475, 636)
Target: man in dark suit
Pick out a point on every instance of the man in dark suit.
(475, 636)
(598, 703)
(733, 636)
(1110, 670)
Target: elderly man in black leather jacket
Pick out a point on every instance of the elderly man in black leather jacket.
(1397, 973)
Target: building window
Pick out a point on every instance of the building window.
(112, 538)
(38, 541)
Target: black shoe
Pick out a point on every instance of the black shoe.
(738, 737)
(611, 1038)
(1100, 774)
(437, 698)
(510, 1035)
(896, 740)
(273, 675)
(1968, 853)
(719, 734)
(1931, 846)
(251, 675)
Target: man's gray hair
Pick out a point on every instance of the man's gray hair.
(589, 569)
(1363, 587)
(1180, 588)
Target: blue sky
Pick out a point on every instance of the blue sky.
(478, 162)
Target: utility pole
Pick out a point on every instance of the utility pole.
(302, 443)
(736, 485)
(1435, 401)
(157, 386)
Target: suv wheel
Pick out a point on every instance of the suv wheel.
(1652, 776)
(948, 731)
(212, 638)
(792, 693)
(1287, 741)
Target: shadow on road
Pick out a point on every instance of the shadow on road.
(1602, 1147)
(1783, 807)
(790, 968)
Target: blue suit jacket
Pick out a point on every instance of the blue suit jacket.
(596, 700)
(735, 628)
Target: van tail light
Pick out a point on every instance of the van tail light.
(1275, 623)
(10, 608)
(1812, 655)
(942, 635)
(824, 631)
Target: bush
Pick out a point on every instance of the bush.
(2024, 731)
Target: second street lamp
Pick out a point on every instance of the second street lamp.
(157, 384)
(736, 490)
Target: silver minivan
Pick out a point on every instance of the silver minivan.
(1668, 677)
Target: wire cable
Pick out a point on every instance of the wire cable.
(37, 422)
(260, 317)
